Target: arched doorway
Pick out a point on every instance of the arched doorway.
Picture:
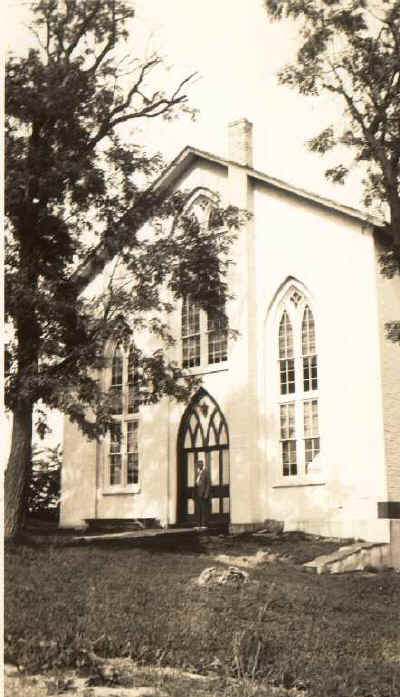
(203, 435)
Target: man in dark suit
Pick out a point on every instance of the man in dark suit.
(203, 491)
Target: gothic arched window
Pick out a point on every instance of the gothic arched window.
(298, 384)
(204, 334)
(122, 468)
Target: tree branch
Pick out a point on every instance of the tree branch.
(82, 31)
(152, 110)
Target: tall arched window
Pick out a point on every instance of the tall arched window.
(298, 385)
(122, 466)
(204, 335)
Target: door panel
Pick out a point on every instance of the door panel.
(217, 461)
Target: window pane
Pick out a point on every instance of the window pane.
(314, 373)
(116, 381)
(288, 442)
(311, 448)
(217, 321)
(132, 453)
(217, 346)
(190, 318)
(191, 352)
(190, 470)
(287, 420)
(212, 436)
(116, 400)
(133, 383)
(133, 468)
(287, 376)
(115, 437)
(311, 418)
(115, 469)
(311, 431)
(306, 374)
(214, 467)
(117, 366)
(308, 333)
(225, 466)
(310, 373)
(285, 337)
(289, 464)
(115, 457)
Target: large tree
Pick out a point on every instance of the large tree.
(77, 197)
(351, 50)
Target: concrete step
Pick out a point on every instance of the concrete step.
(355, 557)
(104, 525)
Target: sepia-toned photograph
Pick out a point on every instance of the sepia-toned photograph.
(201, 348)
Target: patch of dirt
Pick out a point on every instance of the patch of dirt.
(294, 547)
(148, 681)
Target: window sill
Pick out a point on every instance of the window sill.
(212, 368)
(299, 482)
(119, 491)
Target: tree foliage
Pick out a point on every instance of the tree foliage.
(351, 50)
(78, 193)
(44, 486)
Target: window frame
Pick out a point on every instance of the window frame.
(124, 418)
(202, 205)
(294, 303)
(205, 333)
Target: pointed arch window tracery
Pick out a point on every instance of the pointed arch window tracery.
(298, 401)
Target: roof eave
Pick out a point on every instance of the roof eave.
(189, 154)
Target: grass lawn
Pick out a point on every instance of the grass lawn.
(333, 635)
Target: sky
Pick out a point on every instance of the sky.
(237, 53)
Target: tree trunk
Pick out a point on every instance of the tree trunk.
(394, 204)
(18, 470)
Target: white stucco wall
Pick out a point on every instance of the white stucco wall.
(333, 256)
(78, 477)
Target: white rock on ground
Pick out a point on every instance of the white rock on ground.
(214, 576)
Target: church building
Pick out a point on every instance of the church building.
(298, 417)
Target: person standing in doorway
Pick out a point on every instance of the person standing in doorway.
(203, 491)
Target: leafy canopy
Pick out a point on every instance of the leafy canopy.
(351, 50)
(78, 193)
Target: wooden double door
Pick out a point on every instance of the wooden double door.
(203, 436)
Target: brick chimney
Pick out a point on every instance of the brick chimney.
(240, 142)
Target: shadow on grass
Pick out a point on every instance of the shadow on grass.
(183, 545)
(295, 547)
